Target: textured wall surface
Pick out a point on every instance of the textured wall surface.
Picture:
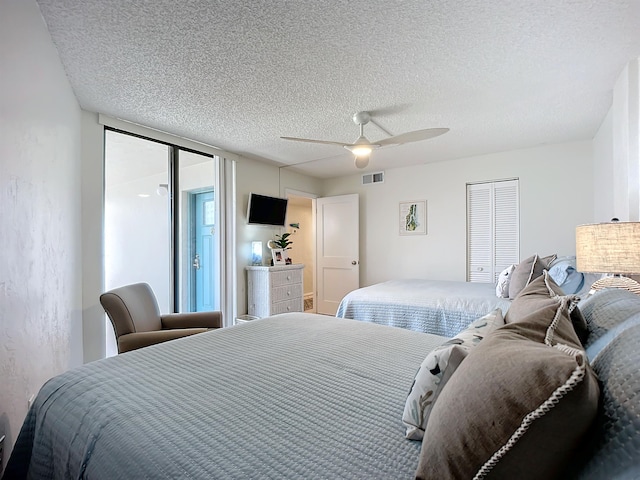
(40, 287)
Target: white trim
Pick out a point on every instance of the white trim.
(161, 136)
(227, 252)
(298, 193)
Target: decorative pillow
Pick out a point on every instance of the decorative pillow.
(567, 277)
(437, 368)
(526, 271)
(520, 404)
(502, 288)
(545, 285)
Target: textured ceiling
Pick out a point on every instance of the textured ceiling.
(240, 74)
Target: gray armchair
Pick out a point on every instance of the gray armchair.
(137, 322)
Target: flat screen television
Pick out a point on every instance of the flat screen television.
(264, 210)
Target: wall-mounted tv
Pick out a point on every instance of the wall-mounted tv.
(264, 210)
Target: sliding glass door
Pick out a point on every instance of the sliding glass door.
(161, 219)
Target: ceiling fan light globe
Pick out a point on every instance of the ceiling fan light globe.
(361, 161)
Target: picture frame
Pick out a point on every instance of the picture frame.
(413, 217)
(279, 256)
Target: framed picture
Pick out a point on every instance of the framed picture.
(279, 257)
(413, 217)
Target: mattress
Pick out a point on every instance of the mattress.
(431, 306)
(291, 396)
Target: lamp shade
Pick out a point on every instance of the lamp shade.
(608, 248)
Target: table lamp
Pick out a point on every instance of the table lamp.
(610, 248)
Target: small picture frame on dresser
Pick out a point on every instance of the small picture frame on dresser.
(279, 256)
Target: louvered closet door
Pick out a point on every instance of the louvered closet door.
(492, 229)
(479, 233)
(506, 226)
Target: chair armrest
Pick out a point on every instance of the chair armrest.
(132, 341)
(192, 320)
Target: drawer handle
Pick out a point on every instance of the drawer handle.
(288, 277)
(288, 307)
(288, 294)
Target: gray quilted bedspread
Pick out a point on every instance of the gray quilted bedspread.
(291, 396)
(615, 441)
(438, 307)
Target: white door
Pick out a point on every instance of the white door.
(337, 250)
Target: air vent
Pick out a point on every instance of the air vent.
(369, 178)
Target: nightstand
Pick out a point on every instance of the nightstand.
(273, 290)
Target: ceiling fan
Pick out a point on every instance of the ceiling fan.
(362, 147)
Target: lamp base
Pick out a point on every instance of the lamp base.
(616, 282)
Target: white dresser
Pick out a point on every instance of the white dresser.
(273, 290)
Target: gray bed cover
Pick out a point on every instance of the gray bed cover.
(440, 307)
(291, 396)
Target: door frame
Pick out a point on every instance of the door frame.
(192, 250)
(312, 197)
(314, 217)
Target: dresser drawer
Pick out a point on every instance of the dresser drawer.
(286, 292)
(286, 277)
(288, 306)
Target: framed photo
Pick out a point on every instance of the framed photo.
(413, 217)
(279, 257)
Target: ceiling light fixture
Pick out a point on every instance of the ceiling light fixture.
(362, 159)
(361, 149)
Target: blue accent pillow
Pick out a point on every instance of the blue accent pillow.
(567, 277)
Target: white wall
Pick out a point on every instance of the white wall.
(258, 177)
(617, 152)
(556, 190)
(40, 258)
(603, 175)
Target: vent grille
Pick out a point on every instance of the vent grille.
(371, 178)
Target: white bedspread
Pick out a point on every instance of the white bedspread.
(437, 307)
(290, 396)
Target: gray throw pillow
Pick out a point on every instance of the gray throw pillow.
(526, 271)
(521, 402)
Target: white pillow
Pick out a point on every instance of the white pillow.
(502, 288)
(437, 368)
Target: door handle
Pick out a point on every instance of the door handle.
(196, 262)
(354, 262)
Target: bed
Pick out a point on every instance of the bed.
(309, 396)
(291, 396)
(431, 306)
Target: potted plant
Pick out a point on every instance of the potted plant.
(282, 241)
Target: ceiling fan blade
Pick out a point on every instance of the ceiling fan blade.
(308, 140)
(413, 136)
(390, 110)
